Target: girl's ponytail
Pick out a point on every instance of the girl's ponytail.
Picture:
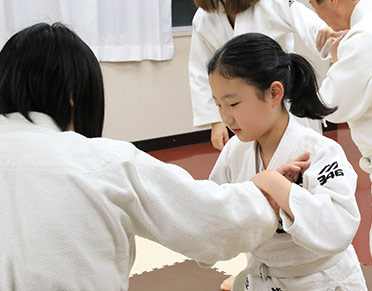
(259, 60)
(303, 90)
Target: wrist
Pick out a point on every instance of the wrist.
(213, 124)
(275, 185)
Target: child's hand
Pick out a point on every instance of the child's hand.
(292, 170)
(276, 189)
(275, 206)
(227, 284)
(276, 185)
(219, 135)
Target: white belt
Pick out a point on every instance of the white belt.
(260, 269)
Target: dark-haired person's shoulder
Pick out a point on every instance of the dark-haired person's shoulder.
(99, 153)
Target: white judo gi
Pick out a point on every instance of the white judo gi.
(314, 252)
(348, 84)
(71, 206)
(279, 19)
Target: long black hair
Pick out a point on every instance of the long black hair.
(259, 61)
(43, 68)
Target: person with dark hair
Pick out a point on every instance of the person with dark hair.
(71, 202)
(217, 21)
(252, 78)
(348, 83)
(41, 67)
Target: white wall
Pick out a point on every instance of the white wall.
(150, 99)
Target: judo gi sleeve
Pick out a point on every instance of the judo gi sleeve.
(325, 209)
(200, 219)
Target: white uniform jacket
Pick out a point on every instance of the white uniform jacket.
(324, 206)
(70, 207)
(279, 19)
(348, 83)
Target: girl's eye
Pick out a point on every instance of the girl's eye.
(218, 105)
(234, 104)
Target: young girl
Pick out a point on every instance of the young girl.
(251, 78)
(217, 21)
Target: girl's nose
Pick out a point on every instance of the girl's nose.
(226, 117)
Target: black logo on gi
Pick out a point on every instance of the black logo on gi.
(291, 2)
(329, 172)
(300, 181)
(280, 227)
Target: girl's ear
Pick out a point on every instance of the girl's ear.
(276, 92)
(72, 102)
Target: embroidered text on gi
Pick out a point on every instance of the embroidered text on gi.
(329, 172)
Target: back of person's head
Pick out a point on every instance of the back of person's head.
(259, 61)
(49, 69)
(231, 6)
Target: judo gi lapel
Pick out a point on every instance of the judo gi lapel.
(287, 149)
(225, 21)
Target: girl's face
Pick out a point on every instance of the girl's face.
(242, 110)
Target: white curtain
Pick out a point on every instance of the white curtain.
(116, 30)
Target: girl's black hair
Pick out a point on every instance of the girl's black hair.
(43, 68)
(259, 61)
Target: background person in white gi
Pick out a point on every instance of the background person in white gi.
(215, 22)
(348, 84)
(251, 77)
(71, 205)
